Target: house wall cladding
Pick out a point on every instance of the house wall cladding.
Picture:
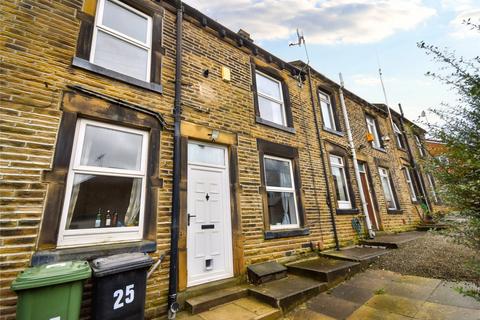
(38, 43)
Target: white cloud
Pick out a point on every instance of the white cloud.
(464, 10)
(323, 21)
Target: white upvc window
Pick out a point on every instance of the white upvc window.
(387, 188)
(408, 178)
(398, 136)
(280, 187)
(327, 110)
(122, 39)
(372, 129)
(431, 182)
(340, 180)
(270, 99)
(421, 150)
(106, 183)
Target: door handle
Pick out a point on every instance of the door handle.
(188, 218)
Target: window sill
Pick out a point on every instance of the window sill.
(335, 132)
(275, 234)
(347, 211)
(394, 211)
(380, 149)
(87, 65)
(274, 125)
(91, 252)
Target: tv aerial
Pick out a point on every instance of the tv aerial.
(299, 43)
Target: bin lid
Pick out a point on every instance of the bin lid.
(120, 263)
(52, 274)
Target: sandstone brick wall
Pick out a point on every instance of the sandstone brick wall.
(37, 44)
(394, 159)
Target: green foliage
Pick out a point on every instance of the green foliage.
(469, 293)
(458, 173)
(379, 291)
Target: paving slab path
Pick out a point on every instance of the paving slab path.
(379, 294)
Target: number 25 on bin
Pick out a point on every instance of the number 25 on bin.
(118, 294)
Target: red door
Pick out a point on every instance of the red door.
(368, 197)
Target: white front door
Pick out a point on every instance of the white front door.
(209, 232)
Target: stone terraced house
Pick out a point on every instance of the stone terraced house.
(136, 126)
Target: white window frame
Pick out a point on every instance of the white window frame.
(117, 34)
(330, 115)
(384, 173)
(409, 180)
(342, 204)
(398, 135)
(273, 99)
(421, 150)
(432, 187)
(80, 237)
(283, 189)
(372, 129)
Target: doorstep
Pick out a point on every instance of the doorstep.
(393, 241)
(246, 308)
(362, 254)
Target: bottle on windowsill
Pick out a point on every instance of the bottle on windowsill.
(98, 219)
(115, 219)
(108, 219)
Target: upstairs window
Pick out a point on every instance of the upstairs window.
(122, 39)
(270, 99)
(327, 111)
(340, 180)
(387, 188)
(411, 187)
(105, 188)
(419, 144)
(372, 128)
(280, 187)
(398, 136)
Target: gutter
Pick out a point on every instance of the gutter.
(320, 142)
(177, 110)
(368, 223)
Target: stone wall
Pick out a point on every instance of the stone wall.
(37, 45)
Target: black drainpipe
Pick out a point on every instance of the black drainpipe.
(418, 177)
(177, 112)
(320, 142)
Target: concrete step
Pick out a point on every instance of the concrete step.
(324, 269)
(247, 308)
(264, 272)
(364, 255)
(432, 226)
(288, 292)
(214, 298)
(393, 241)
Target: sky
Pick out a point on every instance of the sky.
(355, 37)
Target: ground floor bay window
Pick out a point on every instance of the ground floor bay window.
(388, 191)
(105, 189)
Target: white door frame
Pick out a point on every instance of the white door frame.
(227, 223)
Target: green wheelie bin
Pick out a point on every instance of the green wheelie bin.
(51, 291)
